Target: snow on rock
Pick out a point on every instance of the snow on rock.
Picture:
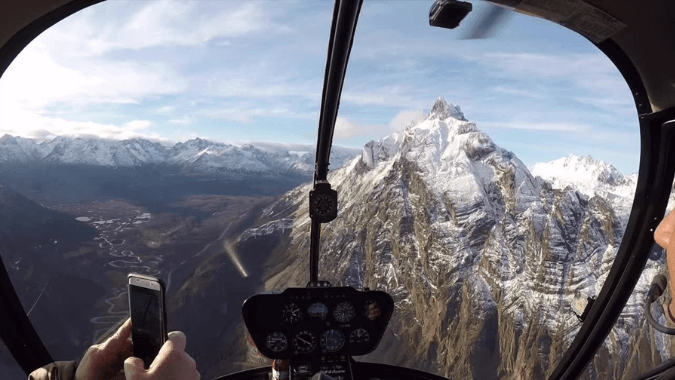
(587, 175)
(591, 177)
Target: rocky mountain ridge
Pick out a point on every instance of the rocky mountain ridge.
(483, 258)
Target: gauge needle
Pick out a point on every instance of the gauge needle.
(304, 341)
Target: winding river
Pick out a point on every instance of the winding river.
(127, 260)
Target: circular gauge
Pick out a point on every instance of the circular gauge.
(344, 312)
(276, 341)
(323, 204)
(318, 310)
(304, 341)
(332, 340)
(291, 313)
(359, 336)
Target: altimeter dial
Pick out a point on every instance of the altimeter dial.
(291, 313)
(359, 336)
(344, 312)
(332, 340)
(276, 341)
(304, 341)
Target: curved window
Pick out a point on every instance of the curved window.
(484, 184)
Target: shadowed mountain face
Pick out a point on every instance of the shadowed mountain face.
(34, 231)
(33, 240)
(484, 260)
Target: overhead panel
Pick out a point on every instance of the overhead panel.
(579, 16)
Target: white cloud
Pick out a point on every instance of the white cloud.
(345, 129)
(32, 125)
(139, 25)
(183, 121)
(592, 75)
(35, 81)
(515, 91)
(245, 112)
(405, 118)
(383, 96)
(545, 126)
(573, 131)
(260, 80)
(165, 110)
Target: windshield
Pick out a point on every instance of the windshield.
(484, 184)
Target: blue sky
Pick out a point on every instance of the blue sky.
(252, 71)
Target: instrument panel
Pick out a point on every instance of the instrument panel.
(303, 322)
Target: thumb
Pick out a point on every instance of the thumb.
(133, 367)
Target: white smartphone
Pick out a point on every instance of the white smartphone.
(148, 316)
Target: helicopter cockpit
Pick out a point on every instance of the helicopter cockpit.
(320, 328)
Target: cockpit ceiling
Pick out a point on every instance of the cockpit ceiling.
(16, 14)
(648, 37)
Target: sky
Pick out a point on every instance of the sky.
(247, 71)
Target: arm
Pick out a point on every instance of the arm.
(665, 237)
(101, 361)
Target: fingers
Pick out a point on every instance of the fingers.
(176, 342)
(132, 366)
(126, 349)
(117, 340)
(178, 339)
(193, 363)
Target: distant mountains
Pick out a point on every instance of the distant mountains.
(67, 170)
(193, 156)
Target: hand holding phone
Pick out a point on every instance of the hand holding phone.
(148, 316)
(172, 363)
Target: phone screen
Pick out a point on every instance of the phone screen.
(146, 323)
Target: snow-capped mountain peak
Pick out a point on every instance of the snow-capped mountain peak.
(588, 175)
(442, 110)
(437, 214)
(443, 142)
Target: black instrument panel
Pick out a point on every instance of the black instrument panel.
(304, 322)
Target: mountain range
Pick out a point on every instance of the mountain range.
(193, 156)
(487, 260)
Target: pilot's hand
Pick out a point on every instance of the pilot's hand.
(665, 237)
(171, 363)
(104, 361)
